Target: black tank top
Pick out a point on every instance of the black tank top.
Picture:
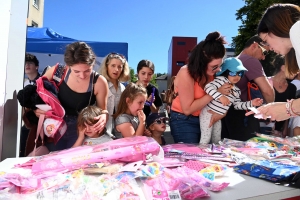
(74, 102)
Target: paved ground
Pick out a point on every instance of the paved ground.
(168, 137)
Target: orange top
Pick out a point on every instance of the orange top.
(198, 93)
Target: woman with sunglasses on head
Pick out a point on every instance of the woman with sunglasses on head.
(232, 72)
(205, 60)
(79, 86)
(279, 28)
(115, 69)
(145, 71)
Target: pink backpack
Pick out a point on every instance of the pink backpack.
(128, 149)
(54, 125)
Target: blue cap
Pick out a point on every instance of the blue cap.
(232, 64)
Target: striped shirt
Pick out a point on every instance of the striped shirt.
(234, 98)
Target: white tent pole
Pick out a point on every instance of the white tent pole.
(13, 14)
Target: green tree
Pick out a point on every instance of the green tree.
(133, 78)
(250, 14)
(153, 81)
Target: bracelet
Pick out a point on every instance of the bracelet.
(293, 111)
(104, 112)
(288, 107)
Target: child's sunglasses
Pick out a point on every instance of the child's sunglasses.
(161, 120)
(240, 73)
(149, 103)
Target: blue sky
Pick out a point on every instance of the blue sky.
(147, 26)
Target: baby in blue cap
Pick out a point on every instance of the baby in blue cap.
(232, 70)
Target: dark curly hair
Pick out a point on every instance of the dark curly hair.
(31, 58)
(207, 50)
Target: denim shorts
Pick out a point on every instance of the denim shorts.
(184, 128)
(70, 136)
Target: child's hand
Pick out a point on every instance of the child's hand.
(81, 132)
(141, 116)
(147, 132)
(256, 101)
(150, 98)
(224, 100)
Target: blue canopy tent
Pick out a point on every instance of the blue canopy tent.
(49, 46)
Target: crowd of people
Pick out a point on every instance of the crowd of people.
(213, 94)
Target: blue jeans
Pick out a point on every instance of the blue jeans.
(70, 136)
(184, 128)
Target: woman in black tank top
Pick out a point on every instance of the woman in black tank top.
(79, 86)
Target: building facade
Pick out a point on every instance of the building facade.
(35, 13)
(178, 53)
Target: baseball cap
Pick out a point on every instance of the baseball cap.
(232, 64)
(152, 117)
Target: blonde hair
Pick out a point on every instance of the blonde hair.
(124, 76)
(131, 91)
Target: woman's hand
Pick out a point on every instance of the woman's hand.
(39, 112)
(215, 117)
(99, 126)
(277, 111)
(225, 89)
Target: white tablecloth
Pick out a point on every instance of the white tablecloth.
(241, 186)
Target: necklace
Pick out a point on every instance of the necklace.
(281, 84)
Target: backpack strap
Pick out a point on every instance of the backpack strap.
(59, 74)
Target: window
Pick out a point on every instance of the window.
(180, 63)
(180, 43)
(36, 3)
(34, 24)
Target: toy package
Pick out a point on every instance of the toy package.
(128, 149)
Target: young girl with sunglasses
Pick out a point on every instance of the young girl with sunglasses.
(86, 133)
(156, 123)
(232, 71)
(115, 69)
(129, 117)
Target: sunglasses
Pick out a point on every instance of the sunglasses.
(240, 73)
(149, 103)
(118, 56)
(161, 120)
(264, 43)
(215, 68)
(264, 51)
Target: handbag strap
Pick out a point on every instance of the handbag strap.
(92, 92)
(39, 131)
(250, 86)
